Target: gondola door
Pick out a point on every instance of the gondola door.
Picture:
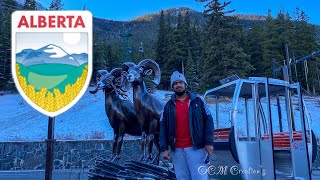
(298, 138)
(253, 137)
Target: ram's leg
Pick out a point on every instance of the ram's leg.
(152, 131)
(156, 159)
(150, 138)
(114, 144)
(143, 146)
(119, 143)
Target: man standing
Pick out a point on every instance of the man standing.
(186, 126)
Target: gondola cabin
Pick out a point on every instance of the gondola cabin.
(247, 113)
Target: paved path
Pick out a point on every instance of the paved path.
(315, 176)
(73, 175)
(39, 175)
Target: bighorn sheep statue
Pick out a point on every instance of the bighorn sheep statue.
(122, 116)
(148, 107)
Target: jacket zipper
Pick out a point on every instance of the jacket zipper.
(190, 123)
(174, 139)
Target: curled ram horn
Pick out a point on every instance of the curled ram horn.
(151, 64)
(99, 74)
(116, 72)
(95, 90)
(127, 65)
(118, 77)
(125, 68)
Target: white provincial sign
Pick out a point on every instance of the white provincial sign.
(52, 58)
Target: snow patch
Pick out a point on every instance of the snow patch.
(54, 49)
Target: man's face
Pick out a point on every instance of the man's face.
(179, 86)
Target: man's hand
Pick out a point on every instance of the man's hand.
(166, 154)
(209, 149)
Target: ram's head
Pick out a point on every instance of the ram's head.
(135, 73)
(108, 81)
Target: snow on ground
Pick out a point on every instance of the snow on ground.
(19, 121)
(87, 119)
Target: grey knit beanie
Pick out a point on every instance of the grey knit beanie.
(177, 76)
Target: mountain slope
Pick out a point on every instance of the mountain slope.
(23, 54)
(47, 54)
(39, 5)
(144, 28)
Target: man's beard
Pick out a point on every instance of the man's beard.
(180, 93)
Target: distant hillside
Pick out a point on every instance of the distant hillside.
(145, 27)
(39, 5)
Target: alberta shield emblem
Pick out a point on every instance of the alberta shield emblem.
(51, 58)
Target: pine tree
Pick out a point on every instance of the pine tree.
(30, 5)
(222, 54)
(191, 74)
(290, 29)
(196, 46)
(180, 44)
(272, 46)
(254, 50)
(56, 5)
(161, 49)
(164, 49)
(186, 35)
(6, 81)
(116, 57)
(108, 57)
(305, 43)
(99, 61)
(288, 38)
(168, 42)
(5, 47)
(178, 52)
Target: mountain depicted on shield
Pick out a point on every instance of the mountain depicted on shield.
(50, 76)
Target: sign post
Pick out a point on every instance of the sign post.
(51, 63)
(50, 147)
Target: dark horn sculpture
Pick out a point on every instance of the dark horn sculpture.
(148, 107)
(151, 64)
(122, 116)
(99, 74)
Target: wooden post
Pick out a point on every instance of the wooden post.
(288, 63)
(50, 147)
(274, 65)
